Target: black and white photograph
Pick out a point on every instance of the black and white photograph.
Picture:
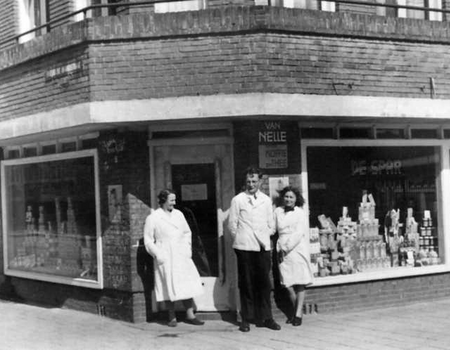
(224, 174)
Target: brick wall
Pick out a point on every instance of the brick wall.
(229, 65)
(127, 268)
(267, 63)
(369, 295)
(220, 64)
(38, 87)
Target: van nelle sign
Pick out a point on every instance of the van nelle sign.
(273, 151)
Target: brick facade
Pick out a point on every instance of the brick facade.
(368, 295)
(293, 63)
(222, 50)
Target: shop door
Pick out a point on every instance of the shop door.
(201, 176)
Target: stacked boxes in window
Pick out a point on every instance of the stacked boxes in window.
(428, 242)
(372, 249)
(346, 239)
(314, 249)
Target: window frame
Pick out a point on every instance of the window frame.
(179, 6)
(427, 15)
(95, 284)
(26, 17)
(443, 199)
(322, 5)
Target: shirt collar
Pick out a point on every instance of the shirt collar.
(288, 209)
(255, 195)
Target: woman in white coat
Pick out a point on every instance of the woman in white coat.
(293, 249)
(167, 237)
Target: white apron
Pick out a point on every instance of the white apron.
(167, 238)
(295, 268)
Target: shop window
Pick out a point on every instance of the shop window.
(50, 218)
(179, 6)
(68, 146)
(32, 14)
(29, 151)
(317, 133)
(157, 135)
(423, 133)
(88, 143)
(355, 133)
(446, 133)
(390, 133)
(374, 208)
(48, 149)
(13, 153)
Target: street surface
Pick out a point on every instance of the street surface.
(424, 325)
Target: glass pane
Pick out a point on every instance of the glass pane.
(178, 6)
(51, 218)
(196, 198)
(375, 207)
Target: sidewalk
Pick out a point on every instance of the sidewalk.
(416, 326)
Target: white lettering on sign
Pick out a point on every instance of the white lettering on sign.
(273, 156)
(272, 126)
(61, 71)
(272, 136)
(376, 167)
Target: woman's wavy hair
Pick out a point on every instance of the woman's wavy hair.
(299, 200)
(163, 195)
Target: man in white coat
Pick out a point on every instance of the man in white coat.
(251, 224)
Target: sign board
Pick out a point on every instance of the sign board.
(196, 192)
(273, 148)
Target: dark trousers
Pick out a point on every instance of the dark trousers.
(254, 284)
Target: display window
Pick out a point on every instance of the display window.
(51, 225)
(375, 209)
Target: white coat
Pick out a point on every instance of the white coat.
(251, 221)
(167, 237)
(293, 246)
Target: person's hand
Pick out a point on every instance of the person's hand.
(281, 255)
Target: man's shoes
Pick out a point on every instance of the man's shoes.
(194, 321)
(297, 321)
(271, 324)
(244, 327)
(172, 323)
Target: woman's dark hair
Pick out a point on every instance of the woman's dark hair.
(163, 195)
(299, 200)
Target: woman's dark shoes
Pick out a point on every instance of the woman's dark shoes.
(194, 321)
(297, 321)
(172, 323)
(271, 324)
(244, 327)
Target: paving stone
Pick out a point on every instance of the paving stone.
(414, 326)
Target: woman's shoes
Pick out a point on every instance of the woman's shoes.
(194, 321)
(172, 323)
(296, 321)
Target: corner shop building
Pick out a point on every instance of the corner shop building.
(98, 115)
